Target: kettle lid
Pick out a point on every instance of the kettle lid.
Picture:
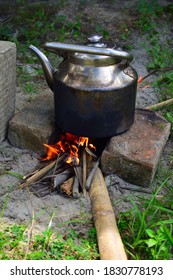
(90, 59)
(95, 53)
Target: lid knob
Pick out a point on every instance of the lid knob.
(94, 41)
(95, 38)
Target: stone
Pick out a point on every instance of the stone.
(32, 126)
(7, 85)
(134, 155)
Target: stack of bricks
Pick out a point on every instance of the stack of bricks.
(7, 85)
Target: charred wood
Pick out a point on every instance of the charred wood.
(75, 190)
(62, 177)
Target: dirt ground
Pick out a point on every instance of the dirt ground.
(20, 206)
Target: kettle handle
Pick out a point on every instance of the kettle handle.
(55, 46)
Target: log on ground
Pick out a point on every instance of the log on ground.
(108, 237)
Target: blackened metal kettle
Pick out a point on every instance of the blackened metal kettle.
(94, 88)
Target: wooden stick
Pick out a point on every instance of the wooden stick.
(153, 72)
(84, 170)
(160, 105)
(60, 178)
(67, 186)
(108, 237)
(78, 172)
(75, 190)
(91, 174)
(37, 175)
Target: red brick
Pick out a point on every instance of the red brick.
(134, 155)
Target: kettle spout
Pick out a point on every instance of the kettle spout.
(47, 67)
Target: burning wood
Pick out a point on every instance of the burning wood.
(58, 173)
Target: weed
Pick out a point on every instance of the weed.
(10, 239)
(47, 245)
(148, 11)
(41, 24)
(159, 51)
(169, 117)
(144, 236)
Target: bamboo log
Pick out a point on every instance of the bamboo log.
(160, 105)
(108, 237)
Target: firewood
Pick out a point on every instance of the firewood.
(109, 240)
(40, 189)
(60, 178)
(91, 174)
(75, 190)
(37, 175)
(78, 173)
(84, 173)
(67, 186)
(90, 152)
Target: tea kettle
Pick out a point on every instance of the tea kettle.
(94, 88)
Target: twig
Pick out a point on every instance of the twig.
(37, 175)
(76, 187)
(29, 235)
(160, 105)
(84, 174)
(91, 174)
(78, 172)
(135, 189)
(153, 72)
(90, 152)
(58, 160)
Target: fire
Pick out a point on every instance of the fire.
(140, 80)
(68, 144)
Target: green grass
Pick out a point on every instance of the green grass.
(48, 245)
(41, 24)
(147, 229)
(159, 51)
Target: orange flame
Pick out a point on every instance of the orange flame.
(68, 144)
(140, 79)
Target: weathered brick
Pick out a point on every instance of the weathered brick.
(7, 84)
(134, 155)
(33, 125)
